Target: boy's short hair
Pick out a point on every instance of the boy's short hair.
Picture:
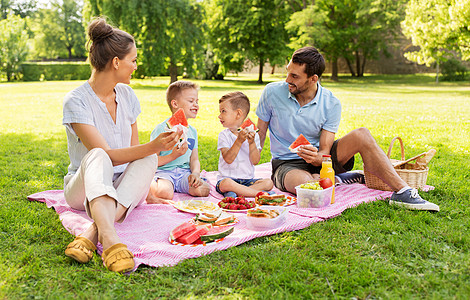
(176, 88)
(237, 100)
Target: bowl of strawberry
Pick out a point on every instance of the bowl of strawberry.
(236, 204)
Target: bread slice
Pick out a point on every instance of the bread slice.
(207, 217)
(224, 218)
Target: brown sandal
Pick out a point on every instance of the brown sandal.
(81, 249)
(118, 258)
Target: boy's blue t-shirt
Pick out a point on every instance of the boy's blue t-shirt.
(183, 160)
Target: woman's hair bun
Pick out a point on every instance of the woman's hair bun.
(99, 30)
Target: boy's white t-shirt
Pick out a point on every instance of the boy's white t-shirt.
(241, 167)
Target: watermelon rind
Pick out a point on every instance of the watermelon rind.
(220, 232)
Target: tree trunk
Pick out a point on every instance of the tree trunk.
(358, 64)
(272, 70)
(437, 71)
(173, 71)
(334, 69)
(350, 67)
(363, 65)
(260, 74)
(69, 49)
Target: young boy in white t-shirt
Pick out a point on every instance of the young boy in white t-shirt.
(239, 150)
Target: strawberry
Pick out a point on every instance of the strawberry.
(242, 207)
(233, 207)
(242, 202)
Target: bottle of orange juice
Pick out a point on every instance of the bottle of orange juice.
(328, 172)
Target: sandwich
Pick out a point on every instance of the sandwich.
(263, 213)
(266, 199)
(224, 219)
(216, 219)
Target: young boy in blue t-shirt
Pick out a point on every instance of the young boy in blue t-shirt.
(179, 169)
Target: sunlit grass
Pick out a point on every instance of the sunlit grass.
(371, 251)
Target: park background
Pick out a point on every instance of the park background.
(372, 251)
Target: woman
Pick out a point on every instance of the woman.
(109, 172)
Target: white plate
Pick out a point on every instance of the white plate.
(196, 206)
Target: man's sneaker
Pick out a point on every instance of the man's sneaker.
(412, 200)
(350, 178)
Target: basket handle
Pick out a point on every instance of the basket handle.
(401, 145)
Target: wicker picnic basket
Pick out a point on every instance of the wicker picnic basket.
(413, 174)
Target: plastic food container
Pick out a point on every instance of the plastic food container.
(307, 198)
(254, 223)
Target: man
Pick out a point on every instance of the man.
(302, 105)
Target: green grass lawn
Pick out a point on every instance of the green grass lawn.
(372, 251)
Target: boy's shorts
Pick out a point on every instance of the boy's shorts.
(281, 167)
(178, 177)
(245, 182)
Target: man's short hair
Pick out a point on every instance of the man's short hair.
(311, 58)
(237, 100)
(175, 89)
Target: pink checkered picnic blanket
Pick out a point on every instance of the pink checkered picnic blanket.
(146, 230)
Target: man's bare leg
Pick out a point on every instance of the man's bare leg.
(296, 177)
(361, 141)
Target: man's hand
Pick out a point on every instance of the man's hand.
(310, 154)
(194, 181)
(177, 152)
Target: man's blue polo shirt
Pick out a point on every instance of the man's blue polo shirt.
(287, 120)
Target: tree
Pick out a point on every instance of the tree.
(23, 8)
(251, 30)
(437, 27)
(60, 31)
(13, 45)
(357, 31)
(168, 33)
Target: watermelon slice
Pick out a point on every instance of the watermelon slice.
(178, 118)
(216, 233)
(192, 236)
(181, 230)
(246, 124)
(301, 140)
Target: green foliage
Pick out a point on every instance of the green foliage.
(437, 27)
(59, 30)
(22, 8)
(169, 33)
(354, 30)
(425, 24)
(372, 251)
(13, 45)
(252, 30)
(460, 24)
(453, 70)
(55, 71)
